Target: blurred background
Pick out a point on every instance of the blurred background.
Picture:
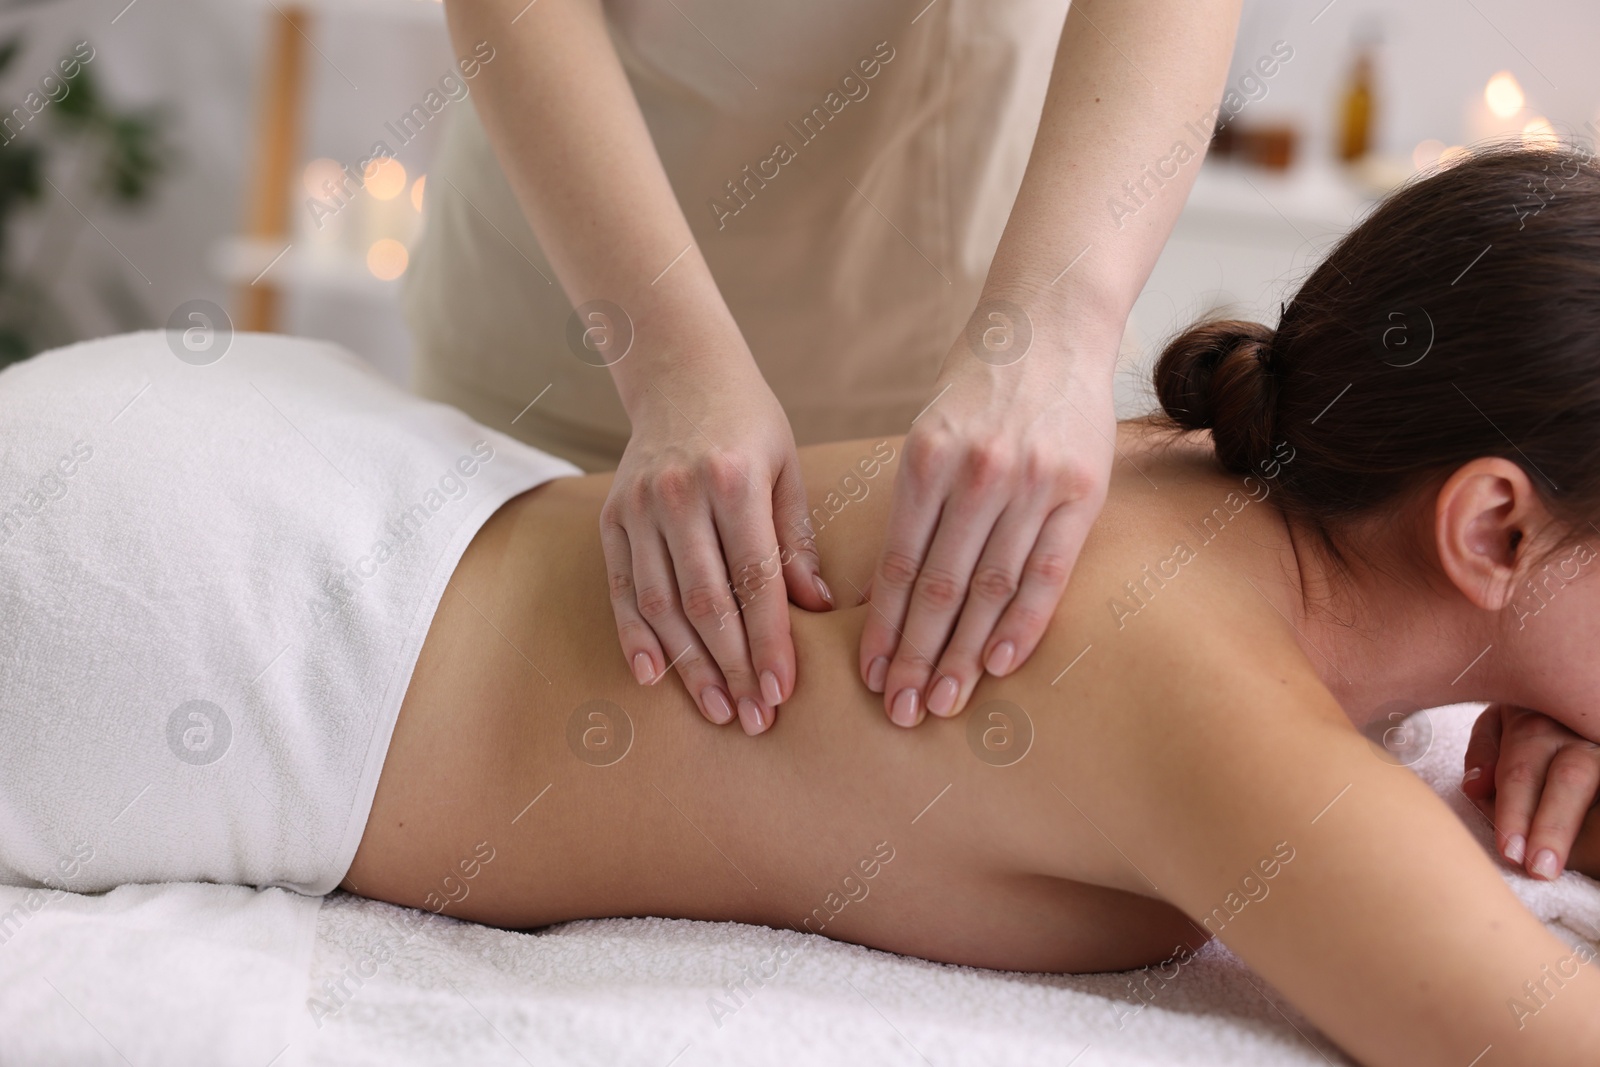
(141, 144)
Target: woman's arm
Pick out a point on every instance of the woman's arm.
(708, 492)
(1342, 879)
(1007, 469)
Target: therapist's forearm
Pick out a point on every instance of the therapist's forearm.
(570, 138)
(1132, 79)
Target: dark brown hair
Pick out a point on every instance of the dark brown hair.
(1460, 319)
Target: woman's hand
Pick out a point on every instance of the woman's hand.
(1536, 781)
(708, 496)
(1006, 471)
(1002, 476)
(708, 490)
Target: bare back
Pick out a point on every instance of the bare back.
(644, 808)
(1111, 804)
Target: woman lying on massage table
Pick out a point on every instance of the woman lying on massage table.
(1185, 756)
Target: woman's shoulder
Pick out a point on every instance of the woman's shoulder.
(1187, 561)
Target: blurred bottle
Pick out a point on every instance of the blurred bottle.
(1268, 144)
(1358, 104)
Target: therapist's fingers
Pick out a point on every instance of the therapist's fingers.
(1044, 579)
(797, 546)
(640, 648)
(709, 607)
(744, 521)
(659, 604)
(1569, 791)
(714, 611)
(913, 516)
(937, 598)
(996, 578)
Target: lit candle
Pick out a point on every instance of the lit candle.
(387, 259)
(1500, 110)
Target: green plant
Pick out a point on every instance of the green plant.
(127, 153)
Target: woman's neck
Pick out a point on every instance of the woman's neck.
(1383, 636)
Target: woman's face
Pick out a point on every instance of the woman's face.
(1551, 642)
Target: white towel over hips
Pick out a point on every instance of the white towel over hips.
(214, 583)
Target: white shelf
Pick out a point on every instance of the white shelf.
(1233, 202)
(241, 261)
(430, 11)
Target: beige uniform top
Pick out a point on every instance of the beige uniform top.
(846, 166)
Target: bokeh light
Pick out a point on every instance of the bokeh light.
(319, 174)
(1538, 132)
(387, 259)
(1504, 95)
(1427, 153)
(385, 178)
(416, 191)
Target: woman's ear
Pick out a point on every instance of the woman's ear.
(1486, 517)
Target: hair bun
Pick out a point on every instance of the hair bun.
(1213, 376)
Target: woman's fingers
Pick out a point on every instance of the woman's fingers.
(1015, 586)
(913, 517)
(797, 547)
(743, 513)
(656, 588)
(1520, 779)
(640, 648)
(995, 577)
(912, 685)
(1044, 579)
(1569, 791)
(709, 606)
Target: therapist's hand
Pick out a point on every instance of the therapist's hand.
(706, 538)
(1000, 480)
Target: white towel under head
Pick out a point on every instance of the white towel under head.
(214, 584)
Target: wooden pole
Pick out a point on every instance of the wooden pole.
(277, 146)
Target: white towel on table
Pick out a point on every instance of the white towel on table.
(214, 583)
(182, 975)
(202, 655)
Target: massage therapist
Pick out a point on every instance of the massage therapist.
(676, 237)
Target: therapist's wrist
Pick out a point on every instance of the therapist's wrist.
(1075, 282)
(1076, 299)
(678, 346)
(691, 366)
(1019, 333)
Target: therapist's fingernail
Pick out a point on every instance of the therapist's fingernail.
(1515, 848)
(718, 708)
(904, 711)
(822, 588)
(1472, 775)
(1545, 865)
(942, 698)
(1000, 657)
(771, 692)
(643, 669)
(877, 670)
(750, 716)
